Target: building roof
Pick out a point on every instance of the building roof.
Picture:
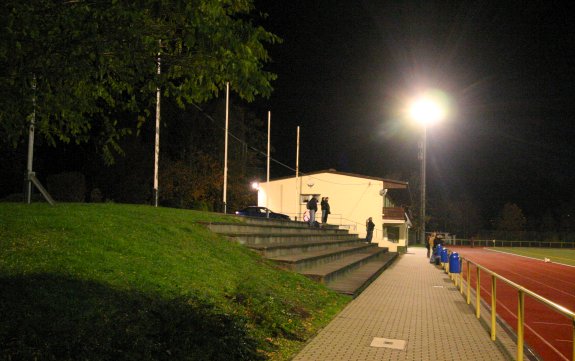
(389, 183)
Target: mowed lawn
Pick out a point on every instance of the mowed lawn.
(556, 255)
(133, 282)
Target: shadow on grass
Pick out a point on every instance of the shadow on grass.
(47, 317)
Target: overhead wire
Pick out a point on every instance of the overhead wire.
(241, 141)
(260, 152)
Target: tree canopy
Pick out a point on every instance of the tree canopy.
(94, 63)
(511, 218)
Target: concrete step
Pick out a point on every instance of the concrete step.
(281, 222)
(273, 228)
(354, 282)
(250, 239)
(328, 255)
(282, 249)
(327, 272)
(306, 260)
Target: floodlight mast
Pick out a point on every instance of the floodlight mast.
(425, 111)
(423, 182)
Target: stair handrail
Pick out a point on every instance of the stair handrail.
(377, 232)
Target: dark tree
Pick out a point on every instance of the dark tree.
(94, 64)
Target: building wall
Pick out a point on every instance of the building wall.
(352, 200)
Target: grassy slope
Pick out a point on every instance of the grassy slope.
(113, 281)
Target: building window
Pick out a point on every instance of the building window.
(392, 234)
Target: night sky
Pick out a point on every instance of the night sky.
(345, 69)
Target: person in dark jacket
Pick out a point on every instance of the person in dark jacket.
(325, 211)
(369, 226)
(312, 206)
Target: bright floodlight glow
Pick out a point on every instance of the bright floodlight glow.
(429, 107)
(255, 185)
(426, 111)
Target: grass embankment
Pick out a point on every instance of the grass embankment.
(110, 282)
(556, 255)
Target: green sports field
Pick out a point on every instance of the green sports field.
(556, 255)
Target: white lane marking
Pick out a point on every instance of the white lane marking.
(520, 276)
(551, 323)
(520, 255)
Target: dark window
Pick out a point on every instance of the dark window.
(393, 234)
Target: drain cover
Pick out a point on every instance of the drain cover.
(388, 343)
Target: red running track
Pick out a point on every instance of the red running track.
(547, 332)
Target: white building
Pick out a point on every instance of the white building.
(353, 199)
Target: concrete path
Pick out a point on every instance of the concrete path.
(413, 311)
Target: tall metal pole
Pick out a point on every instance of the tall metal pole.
(31, 176)
(31, 144)
(226, 148)
(297, 183)
(423, 176)
(157, 142)
(268, 162)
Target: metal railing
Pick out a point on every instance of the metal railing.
(343, 223)
(354, 226)
(521, 293)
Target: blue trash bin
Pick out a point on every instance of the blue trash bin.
(444, 255)
(437, 255)
(438, 250)
(454, 266)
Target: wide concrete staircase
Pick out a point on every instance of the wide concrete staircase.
(327, 255)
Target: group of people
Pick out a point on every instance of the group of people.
(432, 242)
(312, 208)
(325, 211)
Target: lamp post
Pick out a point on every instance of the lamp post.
(423, 156)
(257, 187)
(425, 110)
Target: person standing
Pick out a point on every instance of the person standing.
(369, 226)
(439, 241)
(312, 206)
(325, 211)
(429, 243)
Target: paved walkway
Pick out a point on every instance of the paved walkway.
(412, 304)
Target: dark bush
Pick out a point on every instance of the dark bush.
(67, 187)
(96, 195)
(21, 197)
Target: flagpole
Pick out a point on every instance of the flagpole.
(297, 182)
(268, 163)
(226, 148)
(157, 140)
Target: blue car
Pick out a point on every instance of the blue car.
(262, 212)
